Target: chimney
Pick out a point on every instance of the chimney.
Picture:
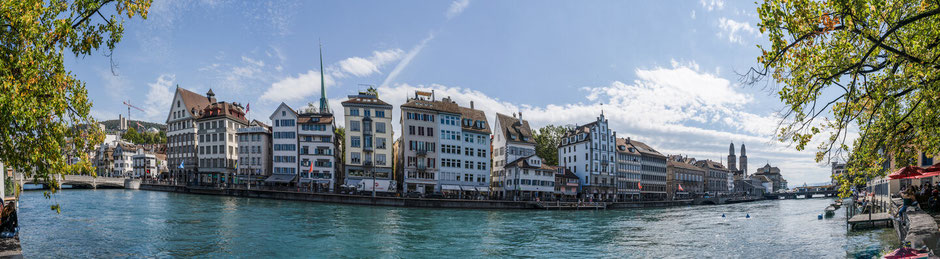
(514, 115)
(471, 104)
(432, 95)
(520, 115)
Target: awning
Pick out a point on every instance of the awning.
(483, 189)
(467, 188)
(450, 187)
(280, 178)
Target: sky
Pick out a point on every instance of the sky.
(663, 73)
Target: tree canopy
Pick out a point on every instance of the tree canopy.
(43, 107)
(845, 65)
(144, 137)
(546, 143)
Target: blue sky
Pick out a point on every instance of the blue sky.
(663, 72)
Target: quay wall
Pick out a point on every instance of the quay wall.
(921, 228)
(389, 201)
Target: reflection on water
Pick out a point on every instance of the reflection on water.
(127, 223)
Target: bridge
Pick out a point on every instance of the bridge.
(806, 194)
(81, 181)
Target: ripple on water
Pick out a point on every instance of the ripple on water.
(125, 223)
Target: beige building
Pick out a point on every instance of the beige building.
(369, 138)
(181, 134)
(218, 123)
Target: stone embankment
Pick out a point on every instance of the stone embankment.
(388, 201)
(920, 229)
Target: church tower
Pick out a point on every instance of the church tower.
(743, 160)
(732, 161)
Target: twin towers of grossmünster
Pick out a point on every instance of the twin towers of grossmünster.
(741, 171)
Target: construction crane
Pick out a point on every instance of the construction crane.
(129, 106)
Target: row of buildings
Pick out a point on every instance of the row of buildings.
(444, 147)
(118, 158)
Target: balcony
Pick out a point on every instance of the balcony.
(605, 162)
(422, 167)
(367, 148)
(422, 153)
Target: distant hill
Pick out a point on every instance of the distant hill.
(110, 125)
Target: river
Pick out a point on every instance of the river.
(130, 223)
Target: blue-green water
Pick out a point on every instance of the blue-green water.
(126, 223)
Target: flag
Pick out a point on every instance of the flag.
(680, 188)
(181, 164)
(639, 185)
(248, 107)
(311, 168)
(236, 165)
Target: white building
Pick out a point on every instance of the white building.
(368, 140)
(284, 145)
(218, 123)
(181, 133)
(512, 140)
(465, 142)
(254, 152)
(527, 178)
(318, 148)
(588, 151)
(145, 165)
(123, 162)
(628, 170)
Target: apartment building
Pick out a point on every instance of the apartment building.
(629, 171)
(218, 123)
(318, 148)
(181, 133)
(588, 151)
(254, 153)
(368, 139)
(512, 140)
(284, 166)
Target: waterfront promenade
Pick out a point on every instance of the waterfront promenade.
(407, 202)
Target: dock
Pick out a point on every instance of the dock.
(571, 205)
(871, 220)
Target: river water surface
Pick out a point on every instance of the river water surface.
(130, 223)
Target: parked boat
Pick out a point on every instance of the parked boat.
(830, 211)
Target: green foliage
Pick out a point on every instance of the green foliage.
(546, 143)
(144, 137)
(341, 136)
(871, 65)
(43, 107)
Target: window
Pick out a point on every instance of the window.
(379, 126)
(355, 142)
(366, 112)
(354, 125)
(380, 113)
(354, 111)
(411, 130)
(380, 143)
(355, 157)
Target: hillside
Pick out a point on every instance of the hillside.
(113, 124)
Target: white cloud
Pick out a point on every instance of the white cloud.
(407, 60)
(296, 88)
(693, 14)
(713, 4)
(115, 84)
(456, 8)
(733, 29)
(159, 97)
(360, 67)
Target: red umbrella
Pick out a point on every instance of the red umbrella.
(905, 252)
(907, 172)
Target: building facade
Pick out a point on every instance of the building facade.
(652, 172)
(773, 174)
(254, 153)
(368, 140)
(588, 151)
(511, 141)
(629, 171)
(464, 141)
(145, 165)
(420, 144)
(181, 133)
(318, 149)
(123, 161)
(684, 180)
(716, 177)
(566, 185)
(529, 179)
(218, 123)
(284, 166)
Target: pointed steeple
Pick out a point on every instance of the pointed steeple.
(324, 106)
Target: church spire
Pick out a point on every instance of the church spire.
(324, 106)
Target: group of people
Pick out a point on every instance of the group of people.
(926, 197)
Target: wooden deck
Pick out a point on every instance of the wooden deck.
(866, 220)
(571, 205)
